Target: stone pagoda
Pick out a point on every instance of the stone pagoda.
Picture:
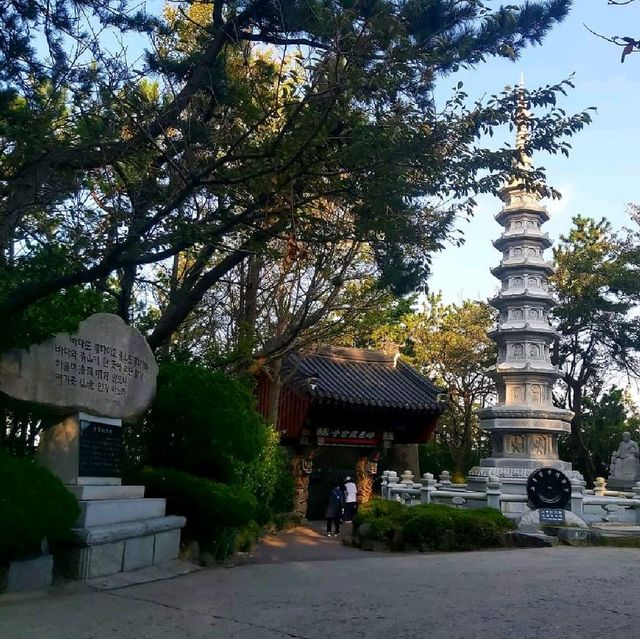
(524, 424)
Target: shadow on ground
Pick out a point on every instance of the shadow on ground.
(305, 543)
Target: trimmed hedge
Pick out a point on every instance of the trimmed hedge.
(431, 526)
(381, 518)
(214, 511)
(34, 505)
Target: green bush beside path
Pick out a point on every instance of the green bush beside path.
(430, 526)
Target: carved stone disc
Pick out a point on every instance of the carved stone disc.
(548, 488)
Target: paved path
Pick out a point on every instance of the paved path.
(307, 543)
(535, 593)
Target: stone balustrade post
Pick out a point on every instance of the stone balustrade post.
(407, 478)
(599, 487)
(445, 479)
(383, 484)
(427, 489)
(577, 497)
(494, 491)
(636, 495)
(392, 480)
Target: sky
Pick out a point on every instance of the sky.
(601, 175)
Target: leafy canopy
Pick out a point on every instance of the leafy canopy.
(213, 148)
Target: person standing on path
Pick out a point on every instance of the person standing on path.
(351, 494)
(334, 509)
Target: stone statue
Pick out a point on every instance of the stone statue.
(624, 461)
(366, 468)
(301, 468)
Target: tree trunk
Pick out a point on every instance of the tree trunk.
(405, 457)
(459, 456)
(248, 313)
(274, 393)
(127, 280)
(578, 447)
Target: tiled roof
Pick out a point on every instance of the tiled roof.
(362, 378)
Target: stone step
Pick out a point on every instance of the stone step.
(611, 530)
(102, 512)
(107, 492)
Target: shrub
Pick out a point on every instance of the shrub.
(34, 505)
(431, 526)
(214, 511)
(286, 521)
(440, 527)
(246, 538)
(202, 422)
(268, 478)
(382, 518)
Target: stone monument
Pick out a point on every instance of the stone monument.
(624, 471)
(524, 424)
(91, 380)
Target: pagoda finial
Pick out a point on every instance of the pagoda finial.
(515, 192)
(522, 117)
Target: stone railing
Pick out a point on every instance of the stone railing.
(592, 506)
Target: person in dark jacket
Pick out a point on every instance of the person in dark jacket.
(334, 509)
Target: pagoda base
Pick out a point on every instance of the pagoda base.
(513, 473)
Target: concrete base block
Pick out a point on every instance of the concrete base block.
(121, 548)
(138, 553)
(167, 546)
(93, 561)
(106, 559)
(29, 574)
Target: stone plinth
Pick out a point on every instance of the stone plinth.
(106, 550)
(118, 529)
(83, 449)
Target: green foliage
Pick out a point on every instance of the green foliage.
(212, 457)
(604, 419)
(244, 138)
(438, 527)
(598, 288)
(268, 477)
(203, 422)
(246, 538)
(432, 526)
(435, 456)
(383, 518)
(285, 521)
(449, 343)
(59, 312)
(34, 505)
(214, 511)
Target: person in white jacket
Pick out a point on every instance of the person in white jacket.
(350, 498)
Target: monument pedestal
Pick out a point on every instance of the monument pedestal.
(624, 485)
(118, 528)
